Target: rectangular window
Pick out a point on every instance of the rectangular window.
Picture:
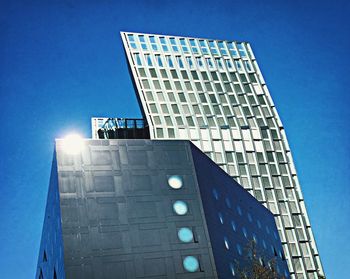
(137, 59)
(241, 49)
(132, 41)
(148, 59)
(213, 48)
(159, 60)
(238, 65)
(167, 85)
(173, 45)
(163, 44)
(189, 62)
(203, 47)
(143, 42)
(209, 63)
(252, 78)
(154, 45)
(199, 62)
(219, 63)
(169, 61)
(179, 62)
(184, 45)
(248, 66)
(232, 49)
(222, 48)
(228, 64)
(131, 38)
(194, 46)
(175, 109)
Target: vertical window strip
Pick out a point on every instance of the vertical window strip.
(204, 47)
(184, 45)
(232, 49)
(174, 45)
(213, 48)
(137, 59)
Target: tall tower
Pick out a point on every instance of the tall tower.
(213, 93)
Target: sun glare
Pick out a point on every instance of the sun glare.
(73, 144)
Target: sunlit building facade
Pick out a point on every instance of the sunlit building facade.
(212, 93)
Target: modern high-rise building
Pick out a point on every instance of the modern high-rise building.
(133, 208)
(212, 93)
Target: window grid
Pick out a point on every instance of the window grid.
(259, 109)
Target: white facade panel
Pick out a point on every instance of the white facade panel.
(219, 97)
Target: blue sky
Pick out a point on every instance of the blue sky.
(62, 62)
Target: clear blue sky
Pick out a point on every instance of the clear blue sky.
(62, 62)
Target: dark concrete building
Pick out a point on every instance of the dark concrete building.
(150, 209)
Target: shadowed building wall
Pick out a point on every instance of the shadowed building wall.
(146, 209)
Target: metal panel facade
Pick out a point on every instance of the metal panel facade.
(115, 205)
(117, 216)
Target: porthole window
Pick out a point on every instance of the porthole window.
(185, 235)
(227, 246)
(215, 194)
(180, 207)
(190, 264)
(175, 181)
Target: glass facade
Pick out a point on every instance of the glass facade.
(212, 92)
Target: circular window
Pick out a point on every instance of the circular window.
(175, 182)
(185, 235)
(180, 207)
(191, 264)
